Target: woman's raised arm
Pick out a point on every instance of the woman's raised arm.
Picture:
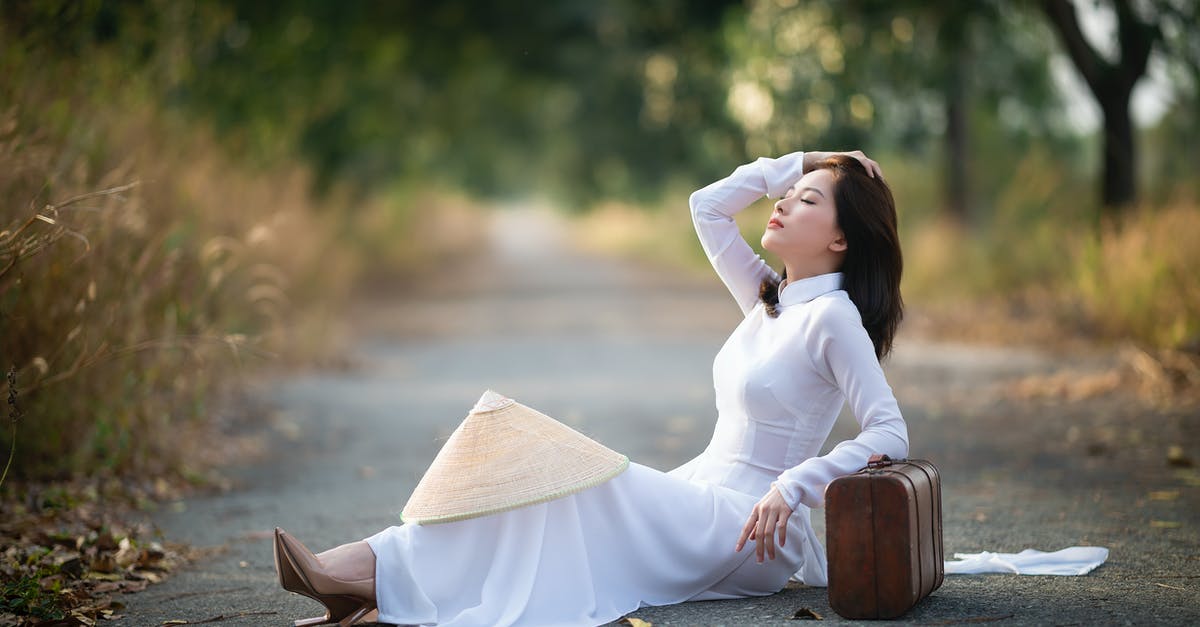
(713, 208)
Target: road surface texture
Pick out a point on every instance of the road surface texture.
(1030, 458)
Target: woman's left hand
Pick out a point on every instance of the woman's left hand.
(768, 516)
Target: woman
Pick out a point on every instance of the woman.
(810, 341)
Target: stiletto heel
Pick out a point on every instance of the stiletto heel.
(345, 601)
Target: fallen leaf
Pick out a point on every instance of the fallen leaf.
(1168, 586)
(72, 567)
(805, 613)
(106, 542)
(79, 554)
(107, 586)
(83, 620)
(104, 563)
(1165, 524)
(634, 622)
(134, 586)
(148, 575)
(1177, 458)
(1164, 495)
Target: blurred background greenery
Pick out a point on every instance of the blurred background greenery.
(190, 185)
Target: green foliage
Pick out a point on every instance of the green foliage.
(591, 101)
(24, 596)
(578, 99)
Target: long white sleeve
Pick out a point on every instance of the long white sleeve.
(842, 353)
(713, 208)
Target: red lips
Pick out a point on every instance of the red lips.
(774, 224)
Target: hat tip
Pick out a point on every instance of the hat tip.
(489, 401)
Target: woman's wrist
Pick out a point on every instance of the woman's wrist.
(789, 493)
(781, 173)
(811, 158)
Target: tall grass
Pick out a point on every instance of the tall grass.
(1138, 276)
(143, 266)
(124, 312)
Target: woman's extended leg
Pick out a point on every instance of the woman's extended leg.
(354, 561)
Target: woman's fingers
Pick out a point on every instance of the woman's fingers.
(766, 536)
(747, 529)
(768, 517)
(871, 166)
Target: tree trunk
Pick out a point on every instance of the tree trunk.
(1119, 186)
(1112, 85)
(957, 187)
(955, 48)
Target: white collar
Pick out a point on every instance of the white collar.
(804, 290)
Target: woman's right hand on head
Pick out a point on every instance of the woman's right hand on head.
(811, 158)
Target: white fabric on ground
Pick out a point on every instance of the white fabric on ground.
(1076, 560)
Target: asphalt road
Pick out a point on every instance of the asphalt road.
(623, 353)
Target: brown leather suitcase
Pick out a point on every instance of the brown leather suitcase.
(883, 528)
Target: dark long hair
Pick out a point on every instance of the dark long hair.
(866, 213)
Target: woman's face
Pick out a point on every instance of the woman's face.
(803, 227)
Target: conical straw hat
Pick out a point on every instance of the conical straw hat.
(503, 456)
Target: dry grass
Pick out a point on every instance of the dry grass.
(126, 310)
(1138, 277)
(143, 268)
(1134, 280)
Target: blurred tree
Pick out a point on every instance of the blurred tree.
(901, 73)
(969, 60)
(583, 98)
(611, 99)
(1112, 81)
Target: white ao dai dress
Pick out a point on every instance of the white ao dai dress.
(653, 538)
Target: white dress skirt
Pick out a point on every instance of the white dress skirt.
(643, 538)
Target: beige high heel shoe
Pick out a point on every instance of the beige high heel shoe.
(301, 572)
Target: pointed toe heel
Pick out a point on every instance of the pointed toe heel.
(345, 601)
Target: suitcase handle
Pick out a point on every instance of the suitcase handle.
(879, 460)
